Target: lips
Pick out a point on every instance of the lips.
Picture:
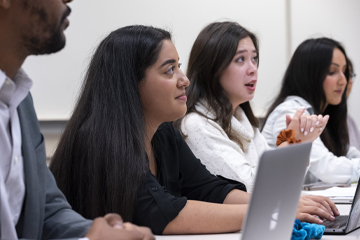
(251, 85)
(66, 13)
(182, 97)
(339, 91)
(64, 18)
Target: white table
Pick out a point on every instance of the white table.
(343, 208)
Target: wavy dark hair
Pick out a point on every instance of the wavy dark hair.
(101, 160)
(211, 54)
(304, 77)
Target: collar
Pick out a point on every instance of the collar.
(14, 91)
(240, 124)
(21, 79)
(302, 103)
(299, 100)
(2, 78)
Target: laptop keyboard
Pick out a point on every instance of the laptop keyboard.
(339, 222)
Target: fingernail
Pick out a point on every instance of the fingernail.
(317, 123)
(332, 217)
(118, 225)
(320, 221)
(305, 133)
(302, 129)
(337, 210)
(311, 129)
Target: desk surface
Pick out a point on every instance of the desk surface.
(343, 208)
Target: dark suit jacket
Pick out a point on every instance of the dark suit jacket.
(45, 213)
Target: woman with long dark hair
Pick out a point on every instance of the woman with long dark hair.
(219, 126)
(316, 78)
(118, 154)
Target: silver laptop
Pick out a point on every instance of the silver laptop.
(278, 184)
(344, 224)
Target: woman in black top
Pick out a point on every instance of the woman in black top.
(118, 154)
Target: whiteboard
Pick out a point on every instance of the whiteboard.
(335, 19)
(278, 25)
(58, 77)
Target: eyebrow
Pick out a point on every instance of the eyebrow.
(168, 61)
(338, 64)
(242, 51)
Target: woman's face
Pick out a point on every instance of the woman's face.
(335, 82)
(239, 78)
(162, 90)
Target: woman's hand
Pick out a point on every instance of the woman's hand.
(112, 227)
(306, 127)
(313, 209)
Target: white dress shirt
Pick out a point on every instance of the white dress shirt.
(12, 185)
(324, 165)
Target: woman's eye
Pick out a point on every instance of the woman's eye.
(240, 59)
(171, 70)
(179, 65)
(255, 59)
(331, 73)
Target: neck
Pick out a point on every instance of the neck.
(150, 130)
(324, 107)
(11, 55)
(234, 106)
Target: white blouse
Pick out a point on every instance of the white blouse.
(324, 165)
(218, 152)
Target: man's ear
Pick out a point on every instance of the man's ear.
(5, 4)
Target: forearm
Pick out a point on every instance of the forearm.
(203, 217)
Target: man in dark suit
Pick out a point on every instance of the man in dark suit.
(31, 205)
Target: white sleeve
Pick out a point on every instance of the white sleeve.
(330, 168)
(216, 151)
(324, 164)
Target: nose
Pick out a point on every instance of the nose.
(183, 81)
(252, 69)
(342, 80)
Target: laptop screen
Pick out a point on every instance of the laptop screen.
(354, 216)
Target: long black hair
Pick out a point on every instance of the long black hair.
(101, 160)
(304, 77)
(211, 54)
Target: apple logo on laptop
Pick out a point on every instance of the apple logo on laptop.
(274, 217)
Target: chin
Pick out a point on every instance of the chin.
(178, 115)
(335, 103)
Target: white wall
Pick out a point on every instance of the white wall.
(335, 19)
(57, 77)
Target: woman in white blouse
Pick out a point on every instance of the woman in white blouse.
(220, 127)
(316, 79)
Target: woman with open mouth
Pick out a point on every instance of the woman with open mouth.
(219, 126)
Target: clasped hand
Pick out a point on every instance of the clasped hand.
(112, 227)
(306, 127)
